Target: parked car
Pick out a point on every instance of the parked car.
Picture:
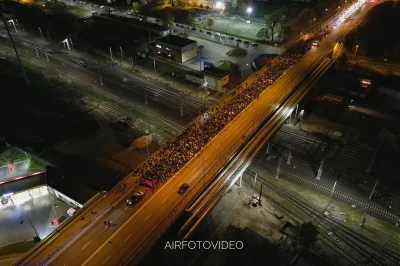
(175, 30)
(209, 32)
(183, 188)
(102, 7)
(254, 44)
(146, 183)
(193, 28)
(238, 40)
(135, 198)
(94, 5)
(201, 46)
(246, 42)
(201, 30)
(231, 38)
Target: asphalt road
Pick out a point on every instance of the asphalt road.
(132, 226)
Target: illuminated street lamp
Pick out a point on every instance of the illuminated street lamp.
(355, 53)
(249, 10)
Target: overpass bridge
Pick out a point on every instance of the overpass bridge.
(135, 230)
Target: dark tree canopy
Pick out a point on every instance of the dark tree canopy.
(380, 35)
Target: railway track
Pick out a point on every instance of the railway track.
(351, 178)
(344, 196)
(368, 250)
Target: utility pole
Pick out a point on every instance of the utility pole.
(112, 59)
(355, 53)
(364, 217)
(259, 199)
(255, 181)
(41, 34)
(278, 169)
(289, 155)
(122, 55)
(101, 79)
(267, 152)
(333, 191)
(181, 103)
(372, 192)
(154, 63)
(320, 169)
(48, 34)
(15, 48)
(295, 114)
(47, 57)
(373, 159)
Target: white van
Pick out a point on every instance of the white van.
(71, 211)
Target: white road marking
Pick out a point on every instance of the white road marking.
(106, 259)
(128, 237)
(217, 146)
(194, 169)
(205, 158)
(86, 245)
(164, 200)
(147, 217)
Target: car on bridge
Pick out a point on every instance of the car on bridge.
(135, 198)
(146, 183)
(183, 188)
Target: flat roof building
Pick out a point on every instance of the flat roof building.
(175, 48)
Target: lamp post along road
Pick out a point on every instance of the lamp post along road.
(15, 48)
(119, 255)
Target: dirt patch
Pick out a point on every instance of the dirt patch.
(140, 143)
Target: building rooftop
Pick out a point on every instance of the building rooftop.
(176, 40)
(215, 72)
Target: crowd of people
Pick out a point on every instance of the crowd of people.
(178, 152)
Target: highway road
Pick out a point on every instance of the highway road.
(134, 225)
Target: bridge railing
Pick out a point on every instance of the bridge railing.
(171, 217)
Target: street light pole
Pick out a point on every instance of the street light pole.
(320, 169)
(372, 192)
(354, 58)
(119, 255)
(330, 198)
(15, 48)
(33, 227)
(122, 55)
(112, 59)
(41, 34)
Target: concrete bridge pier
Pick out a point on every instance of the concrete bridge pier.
(240, 180)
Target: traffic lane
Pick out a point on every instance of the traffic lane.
(98, 231)
(194, 171)
(64, 236)
(214, 153)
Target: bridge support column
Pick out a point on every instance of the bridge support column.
(240, 180)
